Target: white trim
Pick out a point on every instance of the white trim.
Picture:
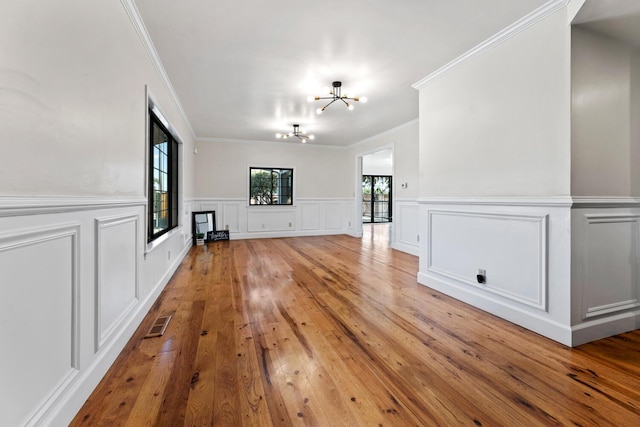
(581, 202)
(520, 25)
(35, 205)
(536, 322)
(605, 327)
(554, 201)
(134, 15)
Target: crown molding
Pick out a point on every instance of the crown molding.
(134, 15)
(522, 24)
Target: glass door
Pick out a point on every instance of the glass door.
(376, 198)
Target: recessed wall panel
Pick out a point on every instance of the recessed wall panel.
(38, 320)
(510, 248)
(612, 268)
(117, 273)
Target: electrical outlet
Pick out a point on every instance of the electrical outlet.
(482, 276)
(168, 254)
(290, 225)
(226, 227)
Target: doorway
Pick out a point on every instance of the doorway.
(376, 198)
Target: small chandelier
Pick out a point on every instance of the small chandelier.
(300, 134)
(336, 94)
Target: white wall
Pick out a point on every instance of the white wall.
(378, 163)
(495, 176)
(322, 188)
(222, 168)
(76, 275)
(498, 124)
(605, 148)
(605, 116)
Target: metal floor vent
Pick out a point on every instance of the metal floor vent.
(158, 327)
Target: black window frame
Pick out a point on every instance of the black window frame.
(275, 201)
(172, 179)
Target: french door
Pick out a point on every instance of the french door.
(376, 198)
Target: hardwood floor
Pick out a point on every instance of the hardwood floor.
(335, 331)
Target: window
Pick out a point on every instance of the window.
(163, 179)
(270, 186)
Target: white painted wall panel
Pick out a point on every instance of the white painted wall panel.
(270, 219)
(611, 263)
(38, 319)
(405, 226)
(333, 215)
(511, 248)
(231, 218)
(310, 216)
(117, 273)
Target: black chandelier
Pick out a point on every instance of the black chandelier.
(300, 134)
(336, 94)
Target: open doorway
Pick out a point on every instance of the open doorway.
(376, 198)
(376, 201)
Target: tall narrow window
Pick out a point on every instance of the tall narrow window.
(163, 179)
(270, 186)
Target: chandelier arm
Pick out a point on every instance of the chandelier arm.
(334, 100)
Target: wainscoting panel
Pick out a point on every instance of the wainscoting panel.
(39, 319)
(265, 219)
(116, 273)
(523, 245)
(611, 269)
(308, 216)
(311, 217)
(333, 213)
(231, 217)
(405, 226)
(605, 267)
(512, 249)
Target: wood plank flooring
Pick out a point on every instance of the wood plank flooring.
(335, 331)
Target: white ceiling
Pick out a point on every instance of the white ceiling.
(243, 70)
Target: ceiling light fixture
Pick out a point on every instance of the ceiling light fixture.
(336, 94)
(297, 132)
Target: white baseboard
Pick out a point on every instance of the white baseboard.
(495, 306)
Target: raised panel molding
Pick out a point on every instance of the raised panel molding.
(333, 215)
(611, 270)
(310, 216)
(461, 242)
(49, 296)
(231, 216)
(117, 282)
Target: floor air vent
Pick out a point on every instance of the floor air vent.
(158, 327)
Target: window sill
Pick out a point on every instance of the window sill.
(151, 246)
